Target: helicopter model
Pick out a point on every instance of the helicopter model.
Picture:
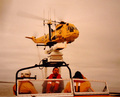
(64, 32)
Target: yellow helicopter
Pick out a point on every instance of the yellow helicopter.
(64, 32)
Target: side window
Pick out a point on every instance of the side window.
(89, 87)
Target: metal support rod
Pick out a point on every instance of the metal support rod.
(59, 64)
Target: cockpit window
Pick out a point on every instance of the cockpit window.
(76, 28)
(71, 29)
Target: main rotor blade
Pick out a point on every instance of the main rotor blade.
(28, 15)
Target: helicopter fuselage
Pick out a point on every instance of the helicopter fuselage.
(63, 33)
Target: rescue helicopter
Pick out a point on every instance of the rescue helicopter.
(63, 32)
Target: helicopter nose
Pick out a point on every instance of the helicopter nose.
(76, 34)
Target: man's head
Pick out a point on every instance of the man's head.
(25, 73)
(55, 71)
